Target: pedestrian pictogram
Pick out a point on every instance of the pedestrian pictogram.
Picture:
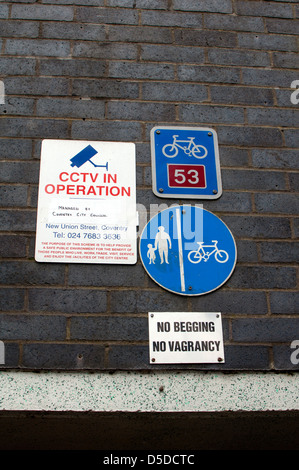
(185, 162)
(180, 251)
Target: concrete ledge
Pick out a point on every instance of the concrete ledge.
(184, 391)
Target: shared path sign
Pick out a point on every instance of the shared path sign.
(188, 250)
(185, 163)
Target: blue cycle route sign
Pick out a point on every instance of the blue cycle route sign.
(188, 250)
(185, 162)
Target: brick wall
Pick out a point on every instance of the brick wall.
(112, 70)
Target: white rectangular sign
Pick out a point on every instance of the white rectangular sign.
(87, 203)
(185, 337)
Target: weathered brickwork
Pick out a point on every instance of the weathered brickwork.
(112, 70)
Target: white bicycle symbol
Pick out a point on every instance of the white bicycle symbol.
(171, 150)
(196, 256)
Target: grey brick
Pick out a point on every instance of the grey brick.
(63, 356)
(112, 328)
(33, 196)
(37, 47)
(284, 252)
(253, 180)
(167, 53)
(70, 107)
(242, 95)
(272, 42)
(205, 38)
(264, 329)
(291, 138)
(96, 3)
(128, 357)
(105, 89)
(29, 273)
(250, 136)
(15, 148)
(246, 358)
(282, 26)
(234, 23)
(27, 29)
(263, 277)
(279, 117)
(285, 203)
(13, 196)
(91, 32)
(11, 356)
(12, 299)
(267, 78)
(34, 128)
(105, 50)
(73, 67)
(254, 8)
(142, 152)
(13, 246)
(267, 158)
(67, 300)
(283, 97)
(4, 11)
(182, 20)
(224, 6)
(146, 197)
(150, 4)
(107, 130)
(247, 251)
(17, 107)
(210, 114)
(100, 275)
(239, 57)
(107, 15)
(42, 12)
(36, 86)
(17, 220)
(233, 157)
(174, 92)
(139, 111)
(258, 227)
(145, 301)
(294, 181)
(206, 73)
(284, 302)
(232, 302)
(140, 34)
(32, 327)
(282, 358)
(230, 201)
(122, 3)
(17, 66)
(286, 60)
(137, 71)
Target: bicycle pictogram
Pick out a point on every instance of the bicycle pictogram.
(195, 256)
(192, 149)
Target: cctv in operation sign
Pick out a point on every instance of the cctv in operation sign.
(87, 203)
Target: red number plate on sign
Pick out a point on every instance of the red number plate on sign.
(186, 176)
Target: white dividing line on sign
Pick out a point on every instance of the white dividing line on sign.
(179, 229)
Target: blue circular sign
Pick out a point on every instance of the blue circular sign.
(188, 250)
